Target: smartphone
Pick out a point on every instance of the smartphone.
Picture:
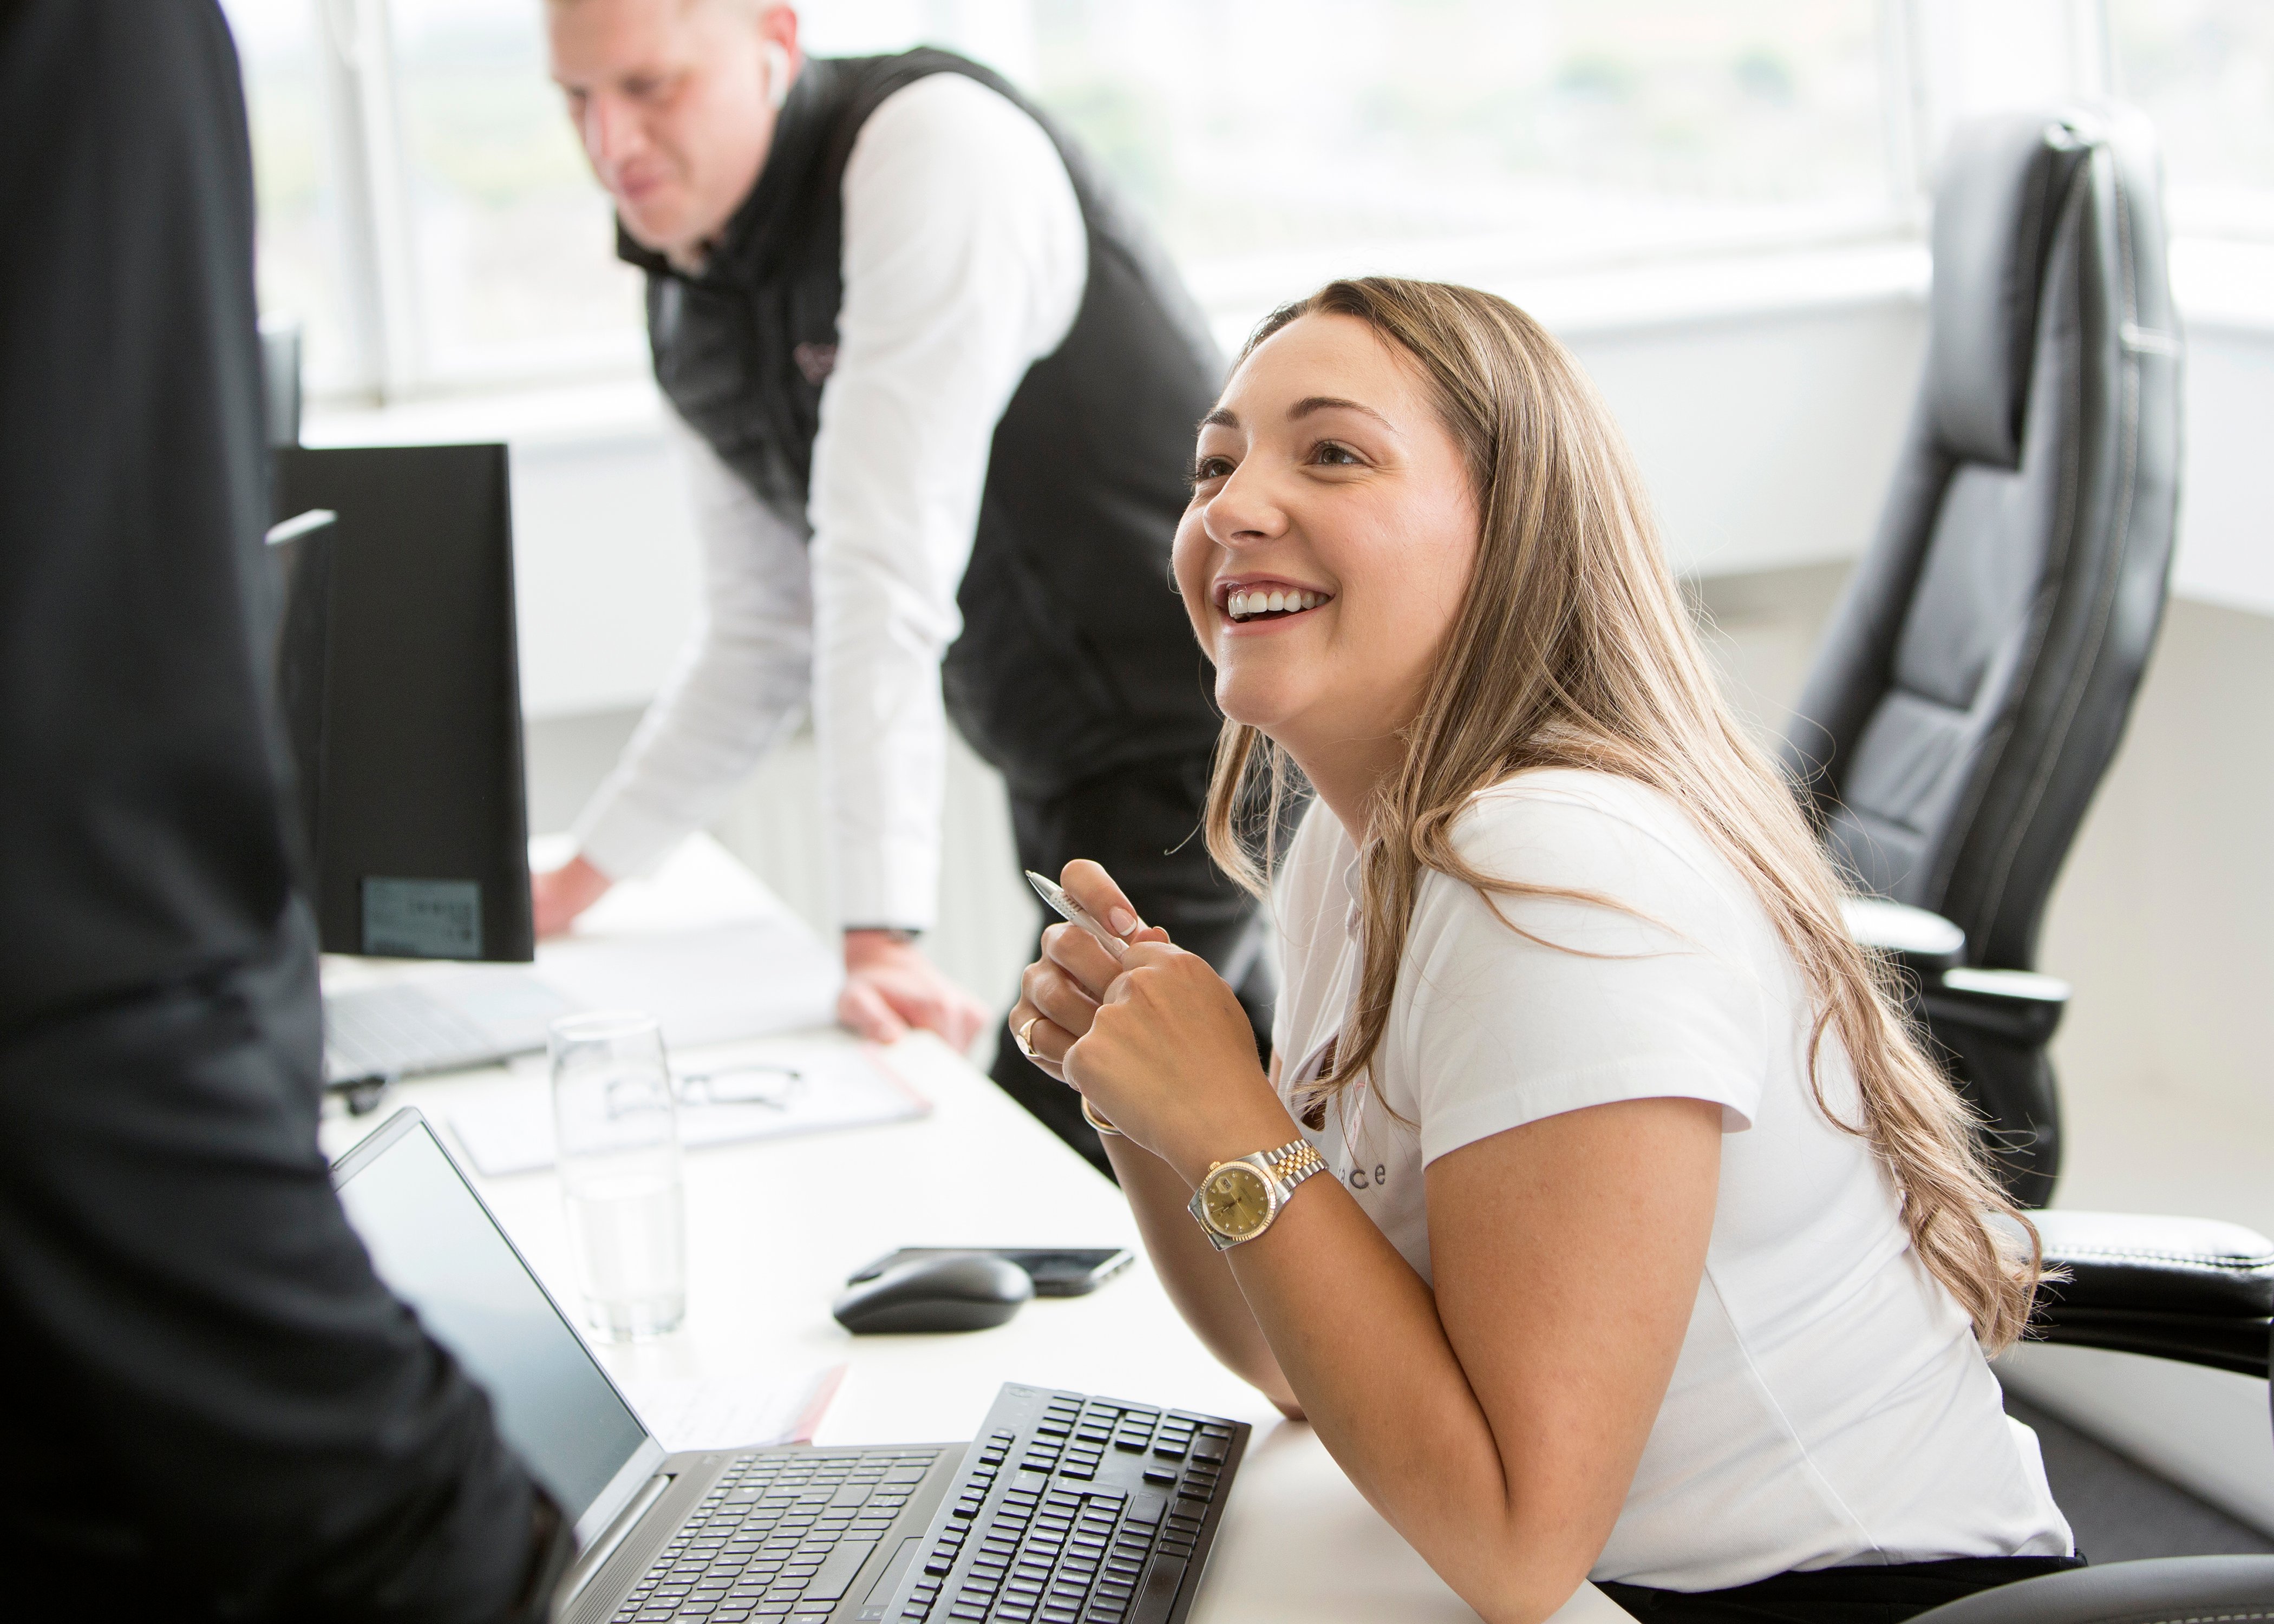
(1070, 1271)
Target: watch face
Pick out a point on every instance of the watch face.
(1237, 1200)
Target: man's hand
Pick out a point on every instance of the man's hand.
(559, 895)
(890, 987)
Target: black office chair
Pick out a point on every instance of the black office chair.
(1978, 672)
(1973, 688)
(2182, 1288)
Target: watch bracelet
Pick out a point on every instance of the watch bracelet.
(1291, 1164)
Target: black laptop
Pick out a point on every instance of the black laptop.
(1067, 1509)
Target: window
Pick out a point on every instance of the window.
(427, 214)
(278, 45)
(424, 210)
(1534, 132)
(2204, 70)
(514, 269)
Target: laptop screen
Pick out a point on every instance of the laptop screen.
(435, 1244)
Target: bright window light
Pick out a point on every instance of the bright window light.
(1559, 130)
(512, 242)
(297, 254)
(2204, 70)
(426, 210)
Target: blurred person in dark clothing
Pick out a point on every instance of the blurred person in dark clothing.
(215, 1409)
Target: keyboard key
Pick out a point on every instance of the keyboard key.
(1047, 1505)
(836, 1574)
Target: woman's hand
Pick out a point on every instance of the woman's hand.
(1170, 1059)
(1156, 1040)
(1059, 994)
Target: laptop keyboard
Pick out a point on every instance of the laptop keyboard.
(778, 1537)
(392, 1029)
(1076, 1510)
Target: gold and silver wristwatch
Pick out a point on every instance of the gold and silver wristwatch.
(1238, 1199)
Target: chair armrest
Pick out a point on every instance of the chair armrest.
(2020, 1005)
(2185, 1266)
(2188, 1289)
(2016, 1004)
(2164, 1587)
(1923, 942)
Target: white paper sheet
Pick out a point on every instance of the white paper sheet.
(755, 1411)
(718, 983)
(800, 1087)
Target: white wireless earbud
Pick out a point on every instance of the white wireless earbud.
(777, 74)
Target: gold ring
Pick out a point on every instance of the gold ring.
(1105, 1129)
(1025, 1035)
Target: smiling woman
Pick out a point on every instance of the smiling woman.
(1655, 1252)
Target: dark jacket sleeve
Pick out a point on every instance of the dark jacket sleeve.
(217, 1408)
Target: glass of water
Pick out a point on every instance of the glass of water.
(616, 1125)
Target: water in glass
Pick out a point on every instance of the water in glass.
(617, 1127)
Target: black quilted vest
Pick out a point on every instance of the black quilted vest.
(1076, 656)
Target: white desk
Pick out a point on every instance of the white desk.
(775, 1227)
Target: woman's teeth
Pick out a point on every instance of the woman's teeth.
(1248, 605)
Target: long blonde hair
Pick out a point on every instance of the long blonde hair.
(1573, 649)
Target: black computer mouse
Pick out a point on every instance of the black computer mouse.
(949, 1291)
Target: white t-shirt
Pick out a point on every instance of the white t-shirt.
(1830, 1405)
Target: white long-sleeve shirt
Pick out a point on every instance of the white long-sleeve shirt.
(965, 260)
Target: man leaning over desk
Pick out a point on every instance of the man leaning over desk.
(936, 388)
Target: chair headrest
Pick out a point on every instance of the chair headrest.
(1996, 204)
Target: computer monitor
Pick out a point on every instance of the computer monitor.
(409, 752)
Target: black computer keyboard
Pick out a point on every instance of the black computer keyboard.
(781, 1535)
(1075, 1510)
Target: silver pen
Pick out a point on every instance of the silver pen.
(1074, 914)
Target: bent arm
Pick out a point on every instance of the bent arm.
(746, 671)
(1496, 1417)
(1197, 1277)
(1496, 1421)
(1060, 993)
